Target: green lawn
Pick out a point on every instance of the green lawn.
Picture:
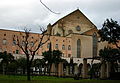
(46, 79)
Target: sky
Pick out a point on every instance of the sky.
(17, 14)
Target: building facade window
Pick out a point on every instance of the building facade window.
(4, 34)
(48, 45)
(56, 39)
(78, 48)
(63, 47)
(17, 51)
(78, 28)
(0, 49)
(23, 43)
(4, 41)
(56, 46)
(14, 42)
(13, 52)
(32, 43)
(62, 54)
(69, 47)
(94, 44)
(69, 55)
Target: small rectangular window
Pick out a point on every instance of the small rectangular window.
(69, 55)
(56, 46)
(17, 51)
(48, 45)
(69, 47)
(31, 43)
(63, 47)
(4, 41)
(14, 42)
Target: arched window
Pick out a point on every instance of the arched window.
(78, 48)
(63, 47)
(48, 45)
(17, 51)
(31, 43)
(69, 55)
(94, 44)
(4, 41)
(56, 46)
(69, 47)
(78, 28)
(14, 42)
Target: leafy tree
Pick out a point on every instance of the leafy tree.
(6, 58)
(12, 67)
(110, 55)
(39, 63)
(52, 57)
(57, 56)
(22, 62)
(110, 32)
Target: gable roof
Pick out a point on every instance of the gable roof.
(90, 32)
(70, 14)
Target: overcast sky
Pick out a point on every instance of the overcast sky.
(15, 14)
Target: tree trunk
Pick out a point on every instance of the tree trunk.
(28, 69)
(3, 69)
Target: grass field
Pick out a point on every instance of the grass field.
(46, 79)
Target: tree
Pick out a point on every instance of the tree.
(38, 64)
(52, 57)
(30, 46)
(12, 67)
(111, 55)
(6, 58)
(110, 32)
(22, 62)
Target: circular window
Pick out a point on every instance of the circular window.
(78, 28)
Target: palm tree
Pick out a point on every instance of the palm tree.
(52, 57)
(38, 64)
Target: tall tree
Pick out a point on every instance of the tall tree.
(110, 32)
(30, 46)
